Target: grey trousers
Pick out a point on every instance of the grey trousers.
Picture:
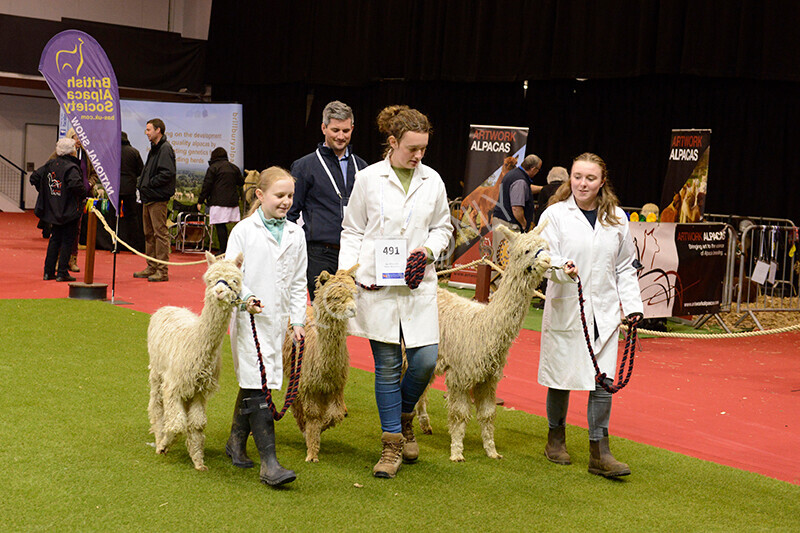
(598, 411)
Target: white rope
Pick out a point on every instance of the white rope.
(115, 238)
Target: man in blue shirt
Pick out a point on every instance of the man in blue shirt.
(324, 181)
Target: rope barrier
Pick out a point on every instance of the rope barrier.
(486, 261)
(115, 238)
(668, 334)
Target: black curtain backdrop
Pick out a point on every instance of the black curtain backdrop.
(646, 67)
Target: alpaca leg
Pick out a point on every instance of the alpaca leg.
(458, 415)
(155, 410)
(195, 435)
(422, 413)
(484, 394)
(313, 432)
(174, 421)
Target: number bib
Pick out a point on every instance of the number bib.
(390, 261)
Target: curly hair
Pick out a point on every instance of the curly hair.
(396, 120)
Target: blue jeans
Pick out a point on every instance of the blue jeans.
(393, 394)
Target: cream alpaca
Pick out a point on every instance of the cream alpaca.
(185, 359)
(320, 400)
(474, 339)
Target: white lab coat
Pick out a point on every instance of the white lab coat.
(381, 313)
(276, 275)
(604, 257)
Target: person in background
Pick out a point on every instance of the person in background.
(222, 190)
(555, 178)
(130, 223)
(325, 180)
(156, 186)
(398, 208)
(61, 192)
(588, 235)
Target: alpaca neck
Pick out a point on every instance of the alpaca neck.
(214, 321)
(331, 331)
(509, 306)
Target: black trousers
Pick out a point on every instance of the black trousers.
(59, 248)
(321, 256)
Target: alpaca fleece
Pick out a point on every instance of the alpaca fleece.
(326, 361)
(185, 359)
(474, 339)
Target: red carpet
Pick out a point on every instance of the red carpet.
(732, 401)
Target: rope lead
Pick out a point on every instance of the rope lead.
(294, 377)
(630, 347)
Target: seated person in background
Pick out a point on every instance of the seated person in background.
(555, 178)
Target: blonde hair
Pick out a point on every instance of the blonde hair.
(396, 120)
(607, 201)
(265, 180)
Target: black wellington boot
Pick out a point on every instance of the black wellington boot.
(236, 447)
(263, 427)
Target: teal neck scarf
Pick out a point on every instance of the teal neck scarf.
(273, 225)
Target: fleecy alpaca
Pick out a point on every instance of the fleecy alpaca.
(320, 404)
(185, 359)
(474, 340)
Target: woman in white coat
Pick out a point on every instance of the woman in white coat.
(588, 235)
(274, 269)
(398, 206)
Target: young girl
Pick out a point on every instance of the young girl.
(275, 274)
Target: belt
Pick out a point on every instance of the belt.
(324, 245)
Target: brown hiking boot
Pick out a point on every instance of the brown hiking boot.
(73, 264)
(159, 276)
(391, 456)
(146, 273)
(410, 448)
(556, 448)
(602, 463)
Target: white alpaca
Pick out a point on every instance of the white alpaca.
(185, 359)
(474, 339)
(319, 404)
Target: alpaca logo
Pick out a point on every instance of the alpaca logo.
(65, 58)
(54, 183)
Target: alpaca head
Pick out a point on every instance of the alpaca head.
(527, 255)
(223, 278)
(336, 294)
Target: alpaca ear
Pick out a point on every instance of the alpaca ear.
(540, 226)
(210, 259)
(322, 278)
(239, 260)
(508, 233)
(352, 271)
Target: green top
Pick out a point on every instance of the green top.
(404, 175)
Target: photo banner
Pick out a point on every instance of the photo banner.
(683, 198)
(489, 158)
(683, 267)
(193, 130)
(81, 77)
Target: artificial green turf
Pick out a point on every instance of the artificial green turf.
(75, 455)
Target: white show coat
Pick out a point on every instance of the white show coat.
(275, 274)
(604, 257)
(382, 312)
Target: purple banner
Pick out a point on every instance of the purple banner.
(82, 79)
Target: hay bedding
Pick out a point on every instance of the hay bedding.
(768, 319)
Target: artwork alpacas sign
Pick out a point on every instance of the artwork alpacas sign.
(185, 359)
